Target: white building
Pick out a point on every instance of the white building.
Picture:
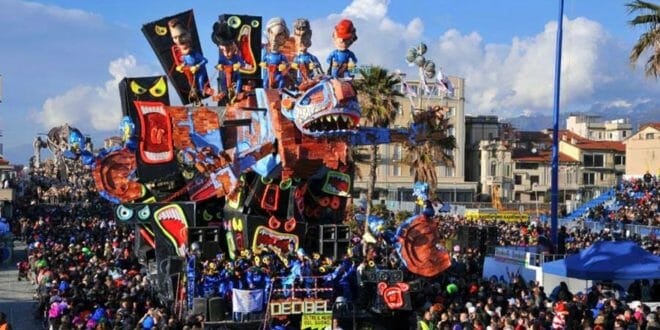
(596, 129)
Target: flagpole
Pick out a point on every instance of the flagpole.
(555, 130)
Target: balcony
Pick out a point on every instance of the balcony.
(6, 195)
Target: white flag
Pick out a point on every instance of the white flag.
(246, 301)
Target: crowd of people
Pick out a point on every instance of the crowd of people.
(87, 275)
(64, 182)
(637, 202)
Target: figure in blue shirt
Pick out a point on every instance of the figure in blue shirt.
(342, 60)
(275, 62)
(229, 60)
(305, 63)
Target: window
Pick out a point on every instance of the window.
(619, 160)
(624, 133)
(649, 136)
(517, 179)
(490, 136)
(399, 110)
(569, 177)
(517, 196)
(396, 152)
(508, 170)
(534, 179)
(610, 136)
(451, 112)
(493, 169)
(396, 170)
(527, 166)
(451, 130)
(588, 178)
(591, 160)
(602, 176)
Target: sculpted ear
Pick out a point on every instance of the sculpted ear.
(381, 287)
(403, 286)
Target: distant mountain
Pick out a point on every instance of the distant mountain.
(640, 114)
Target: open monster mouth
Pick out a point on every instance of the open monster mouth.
(244, 44)
(420, 249)
(337, 183)
(328, 107)
(172, 221)
(155, 133)
(393, 295)
(201, 189)
(279, 243)
(332, 122)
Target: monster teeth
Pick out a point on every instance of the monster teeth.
(153, 109)
(158, 156)
(335, 117)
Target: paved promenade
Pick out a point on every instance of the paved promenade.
(16, 297)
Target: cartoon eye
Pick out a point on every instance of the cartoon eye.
(124, 213)
(234, 22)
(237, 224)
(137, 89)
(144, 213)
(255, 23)
(207, 216)
(159, 88)
(160, 30)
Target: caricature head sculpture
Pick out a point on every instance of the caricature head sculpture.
(225, 38)
(302, 34)
(330, 107)
(180, 36)
(344, 34)
(277, 33)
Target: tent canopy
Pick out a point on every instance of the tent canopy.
(608, 260)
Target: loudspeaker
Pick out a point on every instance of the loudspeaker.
(491, 235)
(209, 249)
(145, 253)
(200, 306)
(383, 275)
(175, 265)
(217, 309)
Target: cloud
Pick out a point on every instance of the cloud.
(507, 79)
(381, 40)
(91, 107)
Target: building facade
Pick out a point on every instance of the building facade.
(596, 129)
(643, 151)
(478, 129)
(395, 179)
(602, 163)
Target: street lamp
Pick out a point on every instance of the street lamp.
(415, 56)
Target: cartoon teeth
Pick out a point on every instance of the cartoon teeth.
(159, 156)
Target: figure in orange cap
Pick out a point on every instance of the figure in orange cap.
(342, 60)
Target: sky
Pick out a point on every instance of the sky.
(61, 60)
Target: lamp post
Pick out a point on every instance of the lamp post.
(426, 68)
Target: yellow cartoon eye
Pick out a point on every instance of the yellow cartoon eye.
(159, 89)
(234, 22)
(137, 89)
(160, 30)
(255, 23)
(237, 224)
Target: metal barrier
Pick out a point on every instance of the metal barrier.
(626, 229)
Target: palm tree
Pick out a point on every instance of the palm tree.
(648, 16)
(432, 146)
(378, 99)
